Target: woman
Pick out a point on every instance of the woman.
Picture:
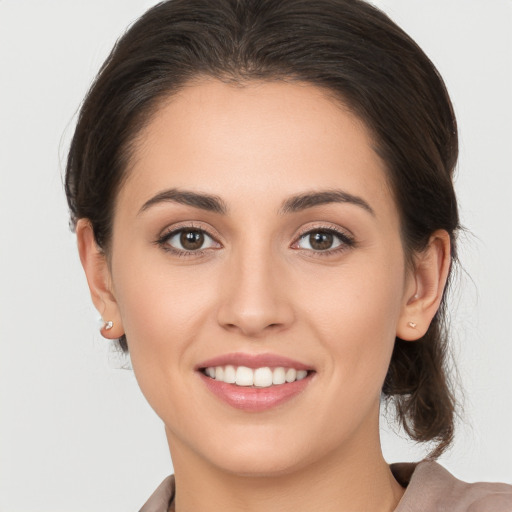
(263, 201)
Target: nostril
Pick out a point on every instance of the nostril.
(254, 316)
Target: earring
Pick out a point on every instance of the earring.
(108, 325)
(412, 325)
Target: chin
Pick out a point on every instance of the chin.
(255, 456)
(261, 465)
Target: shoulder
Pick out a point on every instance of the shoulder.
(161, 500)
(432, 487)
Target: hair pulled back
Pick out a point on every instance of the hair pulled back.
(347, 47)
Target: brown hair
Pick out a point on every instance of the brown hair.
(345, 46)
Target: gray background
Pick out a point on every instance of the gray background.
(75, 432)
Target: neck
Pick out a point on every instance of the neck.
(355, 478)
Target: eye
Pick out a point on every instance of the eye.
(323, 240)
(188, 240)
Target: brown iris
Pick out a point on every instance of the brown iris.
(321, 240)
(192, 240)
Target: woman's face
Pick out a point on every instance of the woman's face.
(256, 229)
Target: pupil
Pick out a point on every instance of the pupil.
(321, 241)
(191, 240)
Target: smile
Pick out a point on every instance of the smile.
(255, 382)
(263, 377)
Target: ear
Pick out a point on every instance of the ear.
(95, 264)
(424, 287)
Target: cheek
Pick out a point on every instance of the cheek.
(354, 312)
(161, 308)
(163, 312)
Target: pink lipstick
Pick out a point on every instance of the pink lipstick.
(255, 383)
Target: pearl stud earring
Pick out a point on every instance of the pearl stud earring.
(108, 325)
(412, 325)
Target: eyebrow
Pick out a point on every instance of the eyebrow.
(206, 202)
(294, 204)
(311, 199)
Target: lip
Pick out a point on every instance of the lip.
(254, 361)
(253, 399)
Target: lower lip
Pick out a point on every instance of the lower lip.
(253, 399)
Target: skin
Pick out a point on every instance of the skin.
(258, 287)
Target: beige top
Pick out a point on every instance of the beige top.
(430, 488)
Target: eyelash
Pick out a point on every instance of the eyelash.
(163, 240)
(346, 241)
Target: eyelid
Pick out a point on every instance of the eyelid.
(346, 238)
(192, 226)
(324, 226)
(171, 231)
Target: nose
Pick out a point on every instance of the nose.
(254, 297)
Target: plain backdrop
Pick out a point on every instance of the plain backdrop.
(75, 432)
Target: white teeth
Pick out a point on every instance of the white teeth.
(263, 377)
(291, 374)
(230, 374)
(278, 376)
(260, 377)
(219, 373)
(244, 376)
(301, 374)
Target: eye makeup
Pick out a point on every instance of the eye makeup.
(324, 240)
(191, 240)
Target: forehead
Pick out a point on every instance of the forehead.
(268, 138)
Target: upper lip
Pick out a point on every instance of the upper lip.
(253, 361)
